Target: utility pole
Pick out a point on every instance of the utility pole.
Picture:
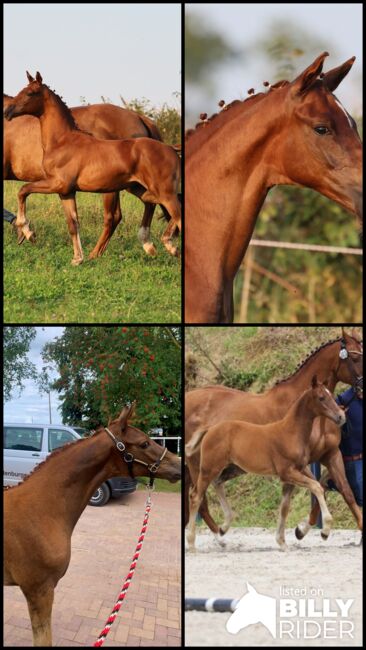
(49, 405)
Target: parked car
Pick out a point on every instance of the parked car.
(27, 445)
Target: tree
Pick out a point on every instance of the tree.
(17, 367)
(102, 368)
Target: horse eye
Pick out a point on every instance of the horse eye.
(321, 399)
(144, 445)
(321, 130)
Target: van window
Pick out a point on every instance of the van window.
(23, 438)
(58, 438)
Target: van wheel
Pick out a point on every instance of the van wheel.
(101, 496)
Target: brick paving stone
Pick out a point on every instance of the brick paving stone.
(103, 543)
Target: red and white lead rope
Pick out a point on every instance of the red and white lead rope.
(102, 637)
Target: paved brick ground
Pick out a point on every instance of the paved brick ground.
(102, 547)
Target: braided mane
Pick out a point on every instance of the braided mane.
(236, 103)
(303, 363)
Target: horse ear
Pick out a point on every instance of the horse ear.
(314, 381)
(125, 415)
(39, 78)
(333, 78)
(29, 76)
(308, 76)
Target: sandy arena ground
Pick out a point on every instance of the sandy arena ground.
(251, 554)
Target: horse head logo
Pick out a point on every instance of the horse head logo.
(253, 608)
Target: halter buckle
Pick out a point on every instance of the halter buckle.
(128, 457)
(120, 446)
(154, 467)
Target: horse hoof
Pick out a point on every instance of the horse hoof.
(76, 262)
(298, 533)
(324, 535)
(219, 540)
(32, 238)
(21, 239)
(149, 249)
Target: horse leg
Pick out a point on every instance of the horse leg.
(144, 236)
(196, 494)
(193, 472)
(304, 526)
(173, 208)
(40, 603)
(287, 491)
(228, 512)
(21, 222)
(302, 478)
(112, 217)
(69, 206)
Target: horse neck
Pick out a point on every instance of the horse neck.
(233, 172)
(300, 417)
(321, 364)
(56, 121)
(75, 474)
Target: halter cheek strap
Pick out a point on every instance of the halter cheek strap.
(130, 459)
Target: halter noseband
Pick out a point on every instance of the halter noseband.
(130, 459)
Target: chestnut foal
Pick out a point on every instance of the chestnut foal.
(280, 449)
(76, 161)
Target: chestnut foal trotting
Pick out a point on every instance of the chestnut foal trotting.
(336, 361)
(76, 161)
(41, 512)
(23, 156)
(295, 134)
(280, 449)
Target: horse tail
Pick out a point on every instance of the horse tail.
(152, 129)
(191, 446)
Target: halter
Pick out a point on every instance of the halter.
(130, 459)
(344, 356)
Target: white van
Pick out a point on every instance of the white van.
(27, 445)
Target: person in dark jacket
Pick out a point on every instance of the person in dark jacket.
(351, 443)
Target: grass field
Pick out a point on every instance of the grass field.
(124, 285)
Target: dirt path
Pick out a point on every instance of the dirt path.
(332, 568)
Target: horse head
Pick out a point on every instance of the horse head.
(323, 402)
(29, 101)
(144, 456)
(323, 149)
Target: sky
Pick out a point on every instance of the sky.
(338, 26)
(30, 406)
(89, 50)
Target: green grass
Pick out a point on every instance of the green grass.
(124, 285)
(161, 485)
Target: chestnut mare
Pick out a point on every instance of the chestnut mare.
(295, 134)
(336, 361)
(76, 161)
(23, 155)
(280, 449)
(41, 512)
